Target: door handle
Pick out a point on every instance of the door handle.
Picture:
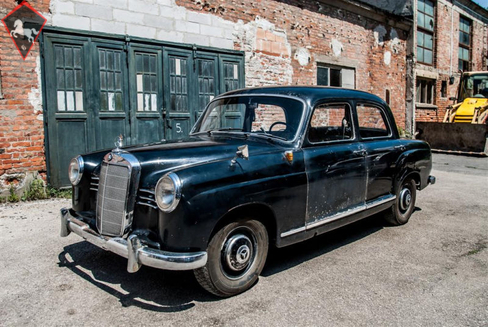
(360, 153)
(400, 147)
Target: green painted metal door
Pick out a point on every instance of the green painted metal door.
(67, 103)
(110, 105)
(145, 66)
(96, 89)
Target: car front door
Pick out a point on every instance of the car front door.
(335, 165)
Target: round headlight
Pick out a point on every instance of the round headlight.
(75, 170)
(168, 192)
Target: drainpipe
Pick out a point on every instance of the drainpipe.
(451, 48)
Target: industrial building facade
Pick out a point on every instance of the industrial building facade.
(146, 68)
(451, 37)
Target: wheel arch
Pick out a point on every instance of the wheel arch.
(406, 173)
(407, 165)
(258, 211)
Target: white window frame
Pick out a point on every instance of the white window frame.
(344, 71)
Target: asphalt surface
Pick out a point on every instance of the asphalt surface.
(431, 272)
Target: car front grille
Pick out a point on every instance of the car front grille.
(112, 199)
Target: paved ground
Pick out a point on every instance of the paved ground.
(431, 272)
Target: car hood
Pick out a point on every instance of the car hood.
(159, 158)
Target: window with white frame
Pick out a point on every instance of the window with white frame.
(425, 91)
(335, 76)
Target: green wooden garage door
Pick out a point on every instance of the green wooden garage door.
(97, 88)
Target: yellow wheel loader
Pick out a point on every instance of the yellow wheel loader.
(465, 125)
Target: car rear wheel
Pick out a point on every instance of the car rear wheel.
(236, 257)
(404, 206)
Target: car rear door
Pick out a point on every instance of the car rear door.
(382, 147)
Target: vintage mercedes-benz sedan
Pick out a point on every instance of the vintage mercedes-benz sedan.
(262, 167)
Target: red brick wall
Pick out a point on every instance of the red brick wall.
(313, 26)
(21, 130)
(270, 59)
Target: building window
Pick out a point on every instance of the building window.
(425, 32)
(335, 76)
(425, 91)
(464, 44)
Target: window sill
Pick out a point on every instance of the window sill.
(426, 106)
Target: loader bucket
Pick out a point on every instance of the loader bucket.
(462, 138)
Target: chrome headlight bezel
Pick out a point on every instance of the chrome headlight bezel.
(168, 192)
(75, 170)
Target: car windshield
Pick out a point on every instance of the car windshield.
(272, 116)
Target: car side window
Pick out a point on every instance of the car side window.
(372, 121)
(330, 122)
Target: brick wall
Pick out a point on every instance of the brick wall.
(21, 124)
(283, 41)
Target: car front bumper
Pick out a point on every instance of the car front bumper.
(131, 248)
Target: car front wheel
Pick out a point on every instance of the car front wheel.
(404, 206)
(236, 257)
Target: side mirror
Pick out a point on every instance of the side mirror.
(242, 152)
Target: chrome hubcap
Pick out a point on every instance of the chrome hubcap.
(405, 199)
(238, 251)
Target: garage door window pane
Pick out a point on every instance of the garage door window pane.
(69, 78)
(110, 80)
(146, 82)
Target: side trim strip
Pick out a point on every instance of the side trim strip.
(340, 215)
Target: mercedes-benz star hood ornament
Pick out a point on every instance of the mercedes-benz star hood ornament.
(119, 143)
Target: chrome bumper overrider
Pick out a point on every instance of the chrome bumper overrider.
(132, 248)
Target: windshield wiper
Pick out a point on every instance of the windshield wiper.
(268, 135)
(225, 129)
(228, 129)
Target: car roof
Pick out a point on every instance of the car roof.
(309, 94)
